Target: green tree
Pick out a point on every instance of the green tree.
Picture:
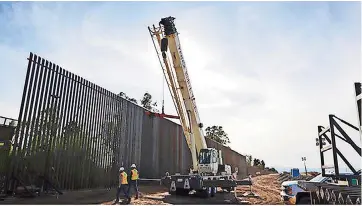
(256, 162)
(262, 163)
(148, 103)
(249, 160)
(218, 134)
(123, 95)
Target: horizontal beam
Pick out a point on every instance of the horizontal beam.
(243, 182)
(326, 148)
(342, 176)
(359, 97)
(219, 183)
(324, 131)
(327, 167)
(145, 179)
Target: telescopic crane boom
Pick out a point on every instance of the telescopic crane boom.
(208, 172)
(179, 83)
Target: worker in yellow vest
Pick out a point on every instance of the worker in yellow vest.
(122, 186)
(133, 180)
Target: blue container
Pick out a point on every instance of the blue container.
(295, 172)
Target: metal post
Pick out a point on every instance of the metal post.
(358, 93)
(305, 167)
(334, 148)
(193, 145)
(320, 128)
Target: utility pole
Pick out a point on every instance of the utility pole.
(305, 167)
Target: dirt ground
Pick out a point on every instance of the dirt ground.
(268, 189)
(266, 186)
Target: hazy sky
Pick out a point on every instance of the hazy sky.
(269, 73)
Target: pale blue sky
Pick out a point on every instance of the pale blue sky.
(268, 72)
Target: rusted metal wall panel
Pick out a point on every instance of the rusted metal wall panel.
(164, 148)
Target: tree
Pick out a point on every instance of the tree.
(123, 95)
(249, 160)
(218, 134)
(147, 103)
(256, 162)
(262, 163)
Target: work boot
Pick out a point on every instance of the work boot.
(129, 200)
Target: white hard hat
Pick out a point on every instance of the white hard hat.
(121, 169)
(133, 165)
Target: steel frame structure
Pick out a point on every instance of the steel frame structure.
(333, 127)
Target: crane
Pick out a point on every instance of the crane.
(206, 162)
(179, 83)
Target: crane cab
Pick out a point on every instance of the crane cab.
(210, 162)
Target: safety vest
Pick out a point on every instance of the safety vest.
(123, 178)
(134, 174)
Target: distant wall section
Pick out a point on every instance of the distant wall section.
(253, 170)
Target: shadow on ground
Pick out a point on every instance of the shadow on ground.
(219, 199)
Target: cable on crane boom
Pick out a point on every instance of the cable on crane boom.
(162, 115)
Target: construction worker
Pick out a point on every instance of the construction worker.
(134, 178)
(123, 183)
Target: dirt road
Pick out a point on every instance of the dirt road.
(266, 186)
(268, 189)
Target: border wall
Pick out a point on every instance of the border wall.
(253, 170)
(77, 134)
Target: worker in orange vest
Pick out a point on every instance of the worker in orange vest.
(123, 183)
(134, 180)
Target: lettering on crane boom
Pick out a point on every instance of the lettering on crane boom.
(181, 56)
(183, 64)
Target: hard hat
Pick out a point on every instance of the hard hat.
(133, 166)
(121, 169)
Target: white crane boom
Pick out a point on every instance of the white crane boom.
(179, 84)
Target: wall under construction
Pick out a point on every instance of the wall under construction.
(77, 134)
